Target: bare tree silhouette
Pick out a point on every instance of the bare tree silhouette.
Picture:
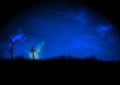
(13, 43)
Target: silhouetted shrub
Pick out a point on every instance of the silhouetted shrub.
(19, 58)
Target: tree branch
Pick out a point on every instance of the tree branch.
(20, 40)
(10, 39)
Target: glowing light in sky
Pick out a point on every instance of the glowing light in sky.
(103, 30)
(37, 52)
(17, 37)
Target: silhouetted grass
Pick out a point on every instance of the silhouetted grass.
(66, 59)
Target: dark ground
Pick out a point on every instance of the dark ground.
(60, 65)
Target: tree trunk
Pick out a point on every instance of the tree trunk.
(11, 52)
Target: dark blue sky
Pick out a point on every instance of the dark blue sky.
(63, 29)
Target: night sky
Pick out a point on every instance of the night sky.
(54, 28)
